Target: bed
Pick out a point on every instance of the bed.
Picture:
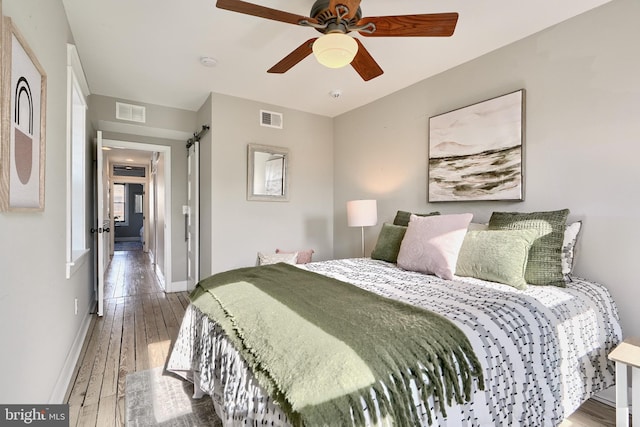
(542, 351)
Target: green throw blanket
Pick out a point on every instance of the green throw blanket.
(318, 345)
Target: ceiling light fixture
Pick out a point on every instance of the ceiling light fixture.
(335, 50)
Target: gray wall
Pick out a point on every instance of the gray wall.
(241, 228)
(582, 127)
(38, 327)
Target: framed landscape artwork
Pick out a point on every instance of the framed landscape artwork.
(477, 152)
(22, 157)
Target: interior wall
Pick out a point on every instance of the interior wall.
(240, 228)
(582, 127)
(39, 329)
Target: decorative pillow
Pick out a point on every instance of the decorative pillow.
(477, 226)
(431, 244)
(496, 255)
(265, 259)
(544, 266)
(388, 244)
(304, 257)
(402, 217)
(569, 246)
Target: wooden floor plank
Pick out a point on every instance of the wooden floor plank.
(83, 352)
(171, 322)
(135, 333)
(97, 372)
(141, 350)
(127, 357)
(74, 414)
(176, 305)
(106, 411)
(112, 364)
(81, 381)
(88, 415)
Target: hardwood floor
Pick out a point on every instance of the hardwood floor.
(136, 332)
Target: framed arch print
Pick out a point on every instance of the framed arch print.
(22, 154)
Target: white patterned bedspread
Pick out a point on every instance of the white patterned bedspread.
(543, 350)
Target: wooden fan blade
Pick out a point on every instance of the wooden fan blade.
(428, 25)
(293, 58)
(352, 5)
(262, 11)
(364, 63)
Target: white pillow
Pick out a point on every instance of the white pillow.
(431, 244)
(265, 259)
(569, 246)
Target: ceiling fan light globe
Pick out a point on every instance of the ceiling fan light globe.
(335, 50)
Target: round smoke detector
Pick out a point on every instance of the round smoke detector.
(208, 61)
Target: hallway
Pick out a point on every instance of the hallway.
(135, 334)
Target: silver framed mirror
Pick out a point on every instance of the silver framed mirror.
(267, 173)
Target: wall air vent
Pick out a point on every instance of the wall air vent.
(270, 119)
(129, 112)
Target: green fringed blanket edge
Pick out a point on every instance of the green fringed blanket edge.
(319, 346)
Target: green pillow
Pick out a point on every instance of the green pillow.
(402, 217)
(544, 266)
(496, 255)
(388, 244)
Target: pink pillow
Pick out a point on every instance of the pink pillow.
(303, 256)
(432, 243)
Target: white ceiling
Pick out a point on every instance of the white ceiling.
(149, 50)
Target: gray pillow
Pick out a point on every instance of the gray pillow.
(544, 266)
(388, 244)
(496, 255)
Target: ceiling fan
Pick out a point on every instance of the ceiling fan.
(334, 19)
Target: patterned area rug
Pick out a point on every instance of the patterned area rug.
(158, 398)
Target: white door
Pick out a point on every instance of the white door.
(192, 225)
(103, 225)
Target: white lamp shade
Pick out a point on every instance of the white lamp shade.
(335, 50)
(362, 213)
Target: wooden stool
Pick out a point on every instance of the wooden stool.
(627, 356)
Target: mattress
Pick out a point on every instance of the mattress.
(543, 350)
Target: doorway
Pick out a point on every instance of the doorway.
(153, 198)
(129, 213)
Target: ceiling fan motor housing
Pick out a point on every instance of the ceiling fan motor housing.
(320, 11)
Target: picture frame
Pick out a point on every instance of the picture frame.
(267, 173)
(476, 153)
(23, 125)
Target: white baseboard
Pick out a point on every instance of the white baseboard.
(178, 286)
(61, 388)
(160, 277)
(608, 396)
